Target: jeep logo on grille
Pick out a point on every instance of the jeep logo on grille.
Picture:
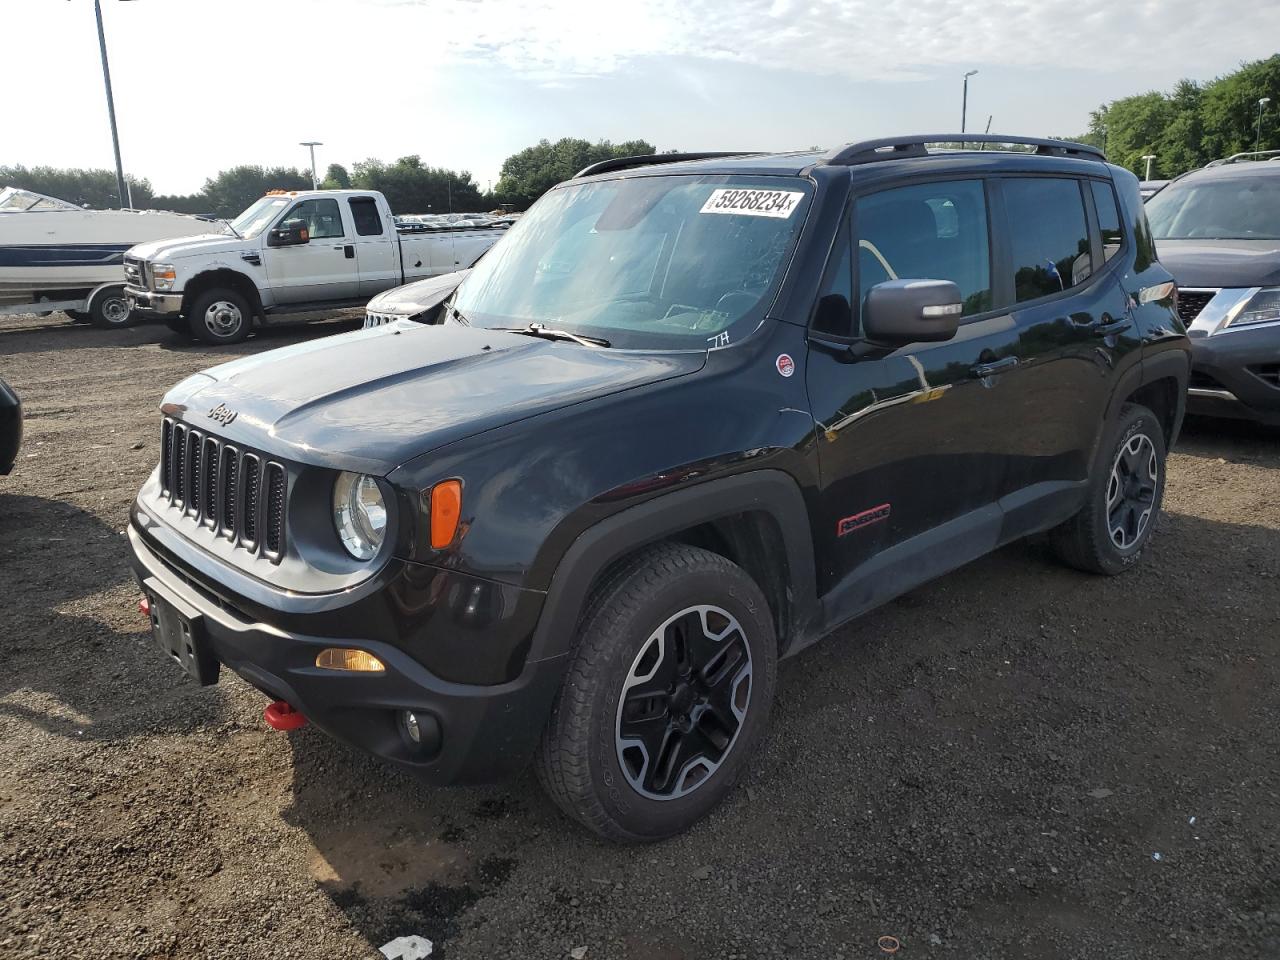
(222, 413)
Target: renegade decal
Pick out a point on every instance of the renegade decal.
(753, 203)
(786, 366)
(863, 519)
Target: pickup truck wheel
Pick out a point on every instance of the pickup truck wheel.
(666, 697)
(1117, 520)
(220, 316)
(109, 309)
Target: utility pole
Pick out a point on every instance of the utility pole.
(1148, 157)
(311, 145)
(111, 106)
(1257, 142)
(964, 102)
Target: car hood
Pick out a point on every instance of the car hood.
(414, 298)
(1221, 263)
(374, 399)
(203, 245)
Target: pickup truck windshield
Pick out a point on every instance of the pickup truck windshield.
(667, 262)
(1233, 208)
(258, 217)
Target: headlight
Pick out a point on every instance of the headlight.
(359, 514)
(163, 275)
(1262, 307)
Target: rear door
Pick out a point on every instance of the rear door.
(913, 443)
(320, 269)
(1075, 335)
(374, 247)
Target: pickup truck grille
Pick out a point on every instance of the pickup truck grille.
(135, 271)
(238, 494)
(1191, 302)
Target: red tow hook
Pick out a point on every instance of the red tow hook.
(281, 716)
(144, 607)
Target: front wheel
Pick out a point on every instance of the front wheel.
(109, 309)
(666, 697)
(1119, 516)
(219, 316)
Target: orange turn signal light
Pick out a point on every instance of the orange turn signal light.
(345, 658)
(446, 511)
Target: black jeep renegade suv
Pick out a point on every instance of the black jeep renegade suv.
(689, 416)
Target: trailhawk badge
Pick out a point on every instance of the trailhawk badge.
(222, 414)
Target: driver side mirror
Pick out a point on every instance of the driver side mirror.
(291, 233)
(898, 312)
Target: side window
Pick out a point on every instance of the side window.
(364, 211)
(1048, 237)
(834, 311)
(934, 231)
(322, 217)
(1104, 199)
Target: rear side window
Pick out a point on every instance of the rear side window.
(933, 231)
(1104, 200)
(364, 211)
(1048, 236)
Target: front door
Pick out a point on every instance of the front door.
(913, 443)
(320, 269)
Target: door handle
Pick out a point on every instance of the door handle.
(348, 249)
(994, 367)
(1105, 327)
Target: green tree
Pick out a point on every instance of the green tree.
(336, 178)
(230, 191)
(411, 187)
(529, 174)
(98, 189)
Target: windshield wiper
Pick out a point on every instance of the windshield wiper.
(547, 333)
(228, 225)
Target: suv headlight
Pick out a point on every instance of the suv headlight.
(163, 275)
(1262, 307)
(359, 514)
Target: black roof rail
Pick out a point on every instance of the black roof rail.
(644, 160)
(897, 148)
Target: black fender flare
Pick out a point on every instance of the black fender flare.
(1167, 364)
(772, 491)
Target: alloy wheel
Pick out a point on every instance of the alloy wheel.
(1131, 491)
(684, 702)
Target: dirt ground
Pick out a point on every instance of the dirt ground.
(1015, 761)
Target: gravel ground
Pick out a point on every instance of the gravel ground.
(1015, 761)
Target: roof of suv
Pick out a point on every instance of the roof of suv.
(1237, 169)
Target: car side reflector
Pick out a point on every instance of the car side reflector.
(446, 511)
(345, 658)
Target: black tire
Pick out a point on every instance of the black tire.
(219, 316)
(1109, 534)
(76, 316)
(587, 764)
(109, 309)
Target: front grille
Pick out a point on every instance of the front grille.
(1268, 373)
(135, 271)
(379, 319)
(219, 486)
(1191, 302)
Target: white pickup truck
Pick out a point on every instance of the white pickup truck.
(290, 253)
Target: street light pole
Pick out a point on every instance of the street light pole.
(1148, 157)
(111, 104)
(1257, 143)
(964, 103)
(311, 145)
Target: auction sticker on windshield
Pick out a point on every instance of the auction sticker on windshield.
(753, 203)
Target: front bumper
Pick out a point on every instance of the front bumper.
(487, 733)
(1230, 374)
(148, 303)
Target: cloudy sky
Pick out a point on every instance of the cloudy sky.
(205, 84)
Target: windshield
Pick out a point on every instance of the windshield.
(12, 198)
(662, 262)
(258, 216)
(1233, 208)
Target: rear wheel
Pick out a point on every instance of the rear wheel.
(1119, 517)
(219, 316)
(109, 309)
(666, 697)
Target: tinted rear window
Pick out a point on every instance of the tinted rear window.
(1048, 236)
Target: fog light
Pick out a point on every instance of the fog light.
(421, 731)
(342, 658)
